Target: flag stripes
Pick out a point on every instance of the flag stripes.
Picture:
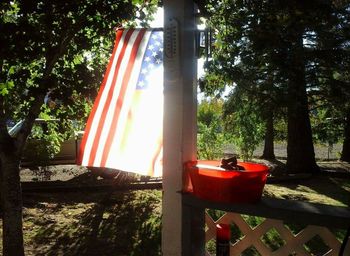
(121, 102)
(111, 137)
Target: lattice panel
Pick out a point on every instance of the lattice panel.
(292, 244)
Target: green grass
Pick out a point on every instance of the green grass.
(323, 190)
(93, 224)
(129, 223)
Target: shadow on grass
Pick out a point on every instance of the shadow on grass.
(330, 187)
(115, 224)
(277, 168)
(327, 184)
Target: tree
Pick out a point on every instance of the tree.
(249, 74)
(329, 61)
(244, 122)
(300, 149)
(268, 152)
(211, 135)
(53, 49)
(272, 39)
(345, 155)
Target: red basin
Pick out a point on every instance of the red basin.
(209, 181)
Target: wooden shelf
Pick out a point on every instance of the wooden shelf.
(282, 209)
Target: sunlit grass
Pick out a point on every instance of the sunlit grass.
(120, 223)
(322, 190)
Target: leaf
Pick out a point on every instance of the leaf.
(137, 2)
(6, 87)
(11, 70)
(78, 59)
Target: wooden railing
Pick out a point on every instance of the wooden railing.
(317, 221)
(292, 244)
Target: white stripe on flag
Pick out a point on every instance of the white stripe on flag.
(113, 104)
(131, 87)
(95, 121)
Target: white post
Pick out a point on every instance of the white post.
(179, 222)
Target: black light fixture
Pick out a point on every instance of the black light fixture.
(204, 43)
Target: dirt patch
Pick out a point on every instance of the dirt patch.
(52, 173)
(109, 223)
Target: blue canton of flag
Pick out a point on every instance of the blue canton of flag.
(152, 60)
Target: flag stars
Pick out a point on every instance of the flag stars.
(147, 59)
(152, 60)
(141, 84)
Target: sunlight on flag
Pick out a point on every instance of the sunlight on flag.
(125, 127)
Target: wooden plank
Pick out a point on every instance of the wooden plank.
(59, 187)
(286, 210)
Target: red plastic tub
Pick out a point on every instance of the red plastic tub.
(209, 181)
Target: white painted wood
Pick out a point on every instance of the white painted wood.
(179, 134)
(293, 243)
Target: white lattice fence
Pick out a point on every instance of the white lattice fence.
(293, 244)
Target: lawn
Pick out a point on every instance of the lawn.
(331, 186)
(128, 222)
(109, 223)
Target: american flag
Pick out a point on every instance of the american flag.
(125, 127)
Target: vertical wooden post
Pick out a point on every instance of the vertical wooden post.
(182, 226)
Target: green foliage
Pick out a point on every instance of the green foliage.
(244, 122)
(9, 11)
(211, 137)
(59, 48)
(5, 88)
(280, 129)
(45, 140)
(264, 47)
(47, 137)
(53, 57)
(327, 126)
(213, 84)
(215, 214)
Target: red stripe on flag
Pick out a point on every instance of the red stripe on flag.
(97, 101)
(126, 78)
(108, 100)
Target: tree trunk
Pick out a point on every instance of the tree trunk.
(300, 149)
(10, 185)
(1, 191)
(345, 154)
(11, 205)
(269, 137)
